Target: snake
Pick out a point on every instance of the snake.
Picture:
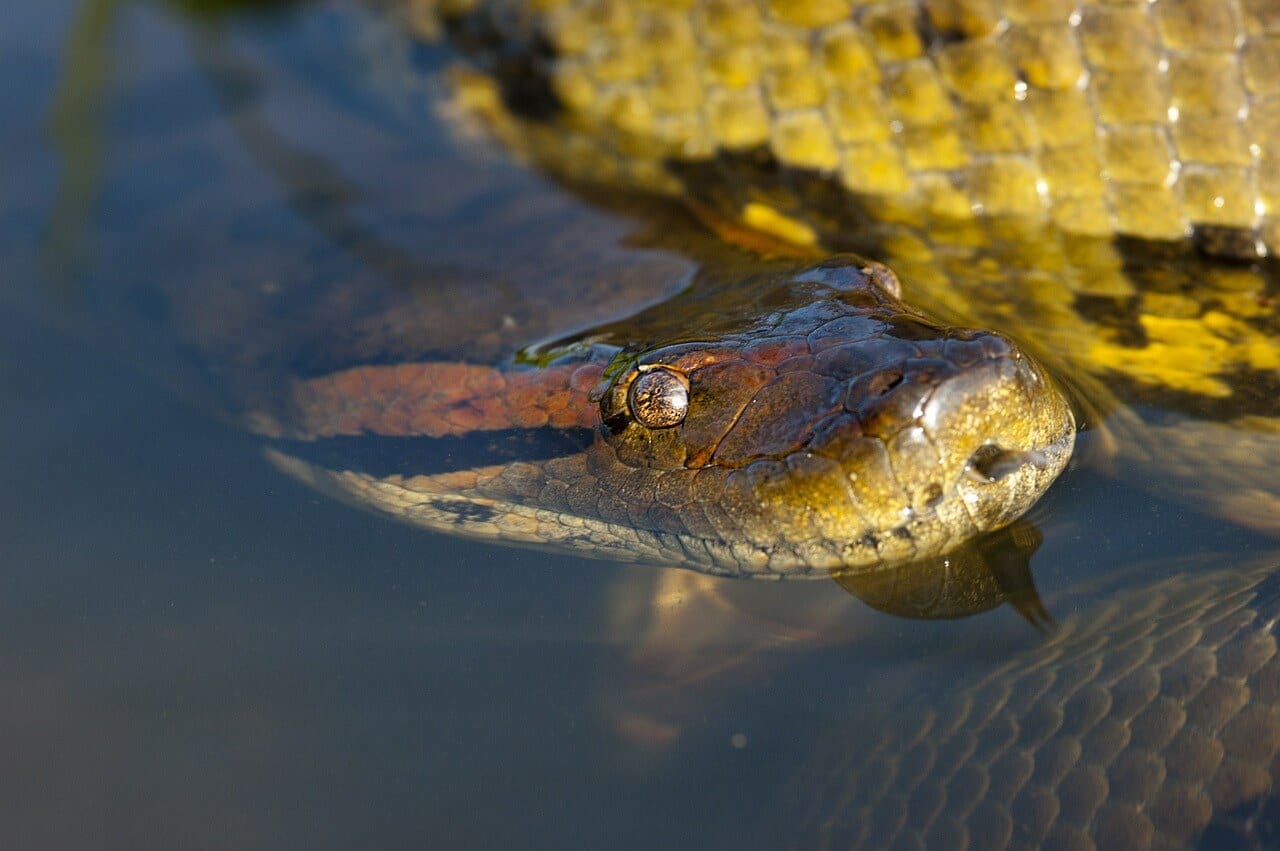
(997, 164)
(1082, 196)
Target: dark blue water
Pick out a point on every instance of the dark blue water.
(196, 651)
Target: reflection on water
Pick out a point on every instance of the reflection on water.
(199, 651)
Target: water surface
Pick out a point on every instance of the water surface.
(197, 651)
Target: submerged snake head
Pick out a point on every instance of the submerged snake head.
(799, 422)
(832, 428)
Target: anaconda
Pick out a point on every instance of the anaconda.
(989, 157)
(1120, 672)
(1094, 180)
(1097, 180)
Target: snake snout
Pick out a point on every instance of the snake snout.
(1001, 430)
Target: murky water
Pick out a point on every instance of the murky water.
(197, 651)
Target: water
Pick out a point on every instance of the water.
(198, 651)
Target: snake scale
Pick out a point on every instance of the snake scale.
(1095, 180)
(1152, 722)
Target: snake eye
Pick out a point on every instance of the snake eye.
(659, 398)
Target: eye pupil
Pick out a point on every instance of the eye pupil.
(659, 398)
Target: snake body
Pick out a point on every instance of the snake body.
(1152, 720)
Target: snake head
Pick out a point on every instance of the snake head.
(833, 427)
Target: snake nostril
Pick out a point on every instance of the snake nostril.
(990, 462)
